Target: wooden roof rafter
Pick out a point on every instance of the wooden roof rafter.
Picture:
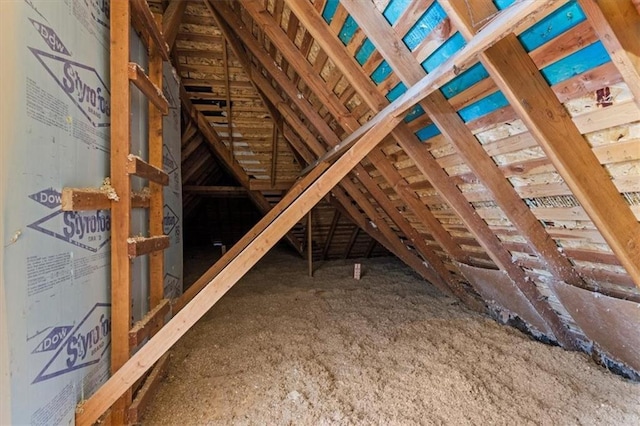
(436, 105)
(408, 141)
(278, 38)
(226, 15)
(563, 143)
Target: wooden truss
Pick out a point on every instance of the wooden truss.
(348, 159)
(320, 181)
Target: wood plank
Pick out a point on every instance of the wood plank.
(140, 79)
(151, 321)
(82, 199)
(407, 140)
(171, 20)
(139, 246)
(319, 89)
(147, 391)
(143, 14)
(522, 13)
(332, 231)
(158, 345)
(120, 210)
(617, 23)
(138, 167)
(570, 153)
(215, 191)
(266, 185)
(156, 159)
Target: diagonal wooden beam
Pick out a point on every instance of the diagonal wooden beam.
(521, 14)
(467, 146)
(617, 23)
(429, 167)
(171, 20)
(350, 123)
(325, 130)
(141, 361)
(550, 124)
(332, 230)
(352, 241)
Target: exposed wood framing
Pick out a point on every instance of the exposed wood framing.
(319, 89)
(156, 159)
(617, 23)
(79, 199)
(468, 148)
(171, 21)
(121, 183)
(231, 165)
(424, 160)
(332, 230)
(558, 135)
(570, 153)
(216, 191)
(227, 87)
(228, 16)
(352, 241)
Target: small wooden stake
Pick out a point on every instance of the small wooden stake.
(357, 269)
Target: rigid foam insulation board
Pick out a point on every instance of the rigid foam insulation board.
(611, 323)
(497, 288)
(171, 157)
(54, 276)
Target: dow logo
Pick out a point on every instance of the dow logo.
(49, 198)
(82, 84)
(50, 37)
(54, 339)
(86, 345)
(170, 220)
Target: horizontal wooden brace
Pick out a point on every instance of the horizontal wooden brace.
(139, 246)
(138, 167)
(141, 80)
(151, 321)
(80, 199)
(265, 185)
(146, 392)
(215, 191)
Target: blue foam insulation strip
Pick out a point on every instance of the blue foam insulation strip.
(427, 132)
(462, 82)
(394, 9)
(444, 52)
(348, 29)
(431, 18)
(483, 107)
(330, 10)
(364, 52)
(398, 90)
(416, 112)
(577, 63)
(381, 72)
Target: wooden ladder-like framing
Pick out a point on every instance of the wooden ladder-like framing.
(118, 196)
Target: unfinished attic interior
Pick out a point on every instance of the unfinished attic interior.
(430, 208)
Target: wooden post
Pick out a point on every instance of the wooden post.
(120, 210)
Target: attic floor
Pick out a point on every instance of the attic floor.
(283, 348)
